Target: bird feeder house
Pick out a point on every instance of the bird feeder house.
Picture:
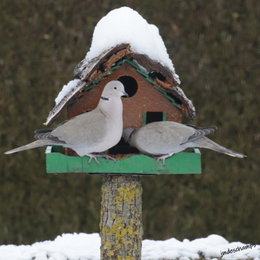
(154, 95)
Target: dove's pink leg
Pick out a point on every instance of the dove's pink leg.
(163, 157)
(95, 156)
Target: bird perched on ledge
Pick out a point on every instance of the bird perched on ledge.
(165, 138)
(92, 132)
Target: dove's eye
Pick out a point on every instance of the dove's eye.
(115, 87)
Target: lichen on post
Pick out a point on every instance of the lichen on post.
(121, 217)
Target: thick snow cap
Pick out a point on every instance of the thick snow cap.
(125, 25)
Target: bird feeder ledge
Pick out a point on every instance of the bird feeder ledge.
(181, 163)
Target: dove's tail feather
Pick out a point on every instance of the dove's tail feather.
(35, 144)
(205, 142)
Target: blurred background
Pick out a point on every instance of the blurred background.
(213, 45)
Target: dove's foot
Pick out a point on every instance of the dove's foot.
(91, 157)
(99, 155)
(108, 157)
(163, 158)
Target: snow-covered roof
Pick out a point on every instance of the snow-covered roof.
(124, 30)
(125, 25)
(66, 90)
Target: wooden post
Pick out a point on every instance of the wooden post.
(121, 218)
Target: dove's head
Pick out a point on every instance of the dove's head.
(127, 134)
(113, 89)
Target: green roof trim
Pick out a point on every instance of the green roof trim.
(140, 71)
(181, 163)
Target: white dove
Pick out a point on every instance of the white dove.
(91, 132)
(165, 138)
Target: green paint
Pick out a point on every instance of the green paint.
(140, 71)
(164, 116)
(181, 163)
(145, 118)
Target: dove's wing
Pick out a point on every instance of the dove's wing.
(89, 129)
(167, 137)
(161, 137)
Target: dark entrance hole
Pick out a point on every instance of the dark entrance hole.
(154, 117)
(130, 85)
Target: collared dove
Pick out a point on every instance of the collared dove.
(91, 132)
(165, 138)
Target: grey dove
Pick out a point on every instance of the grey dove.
(165, 138)
(91, 132)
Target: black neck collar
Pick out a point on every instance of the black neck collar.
(104, 98)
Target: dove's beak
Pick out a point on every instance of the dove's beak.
(124, 94)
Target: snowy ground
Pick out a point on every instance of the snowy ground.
(86, 246)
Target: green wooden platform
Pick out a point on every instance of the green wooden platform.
(181, 163)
